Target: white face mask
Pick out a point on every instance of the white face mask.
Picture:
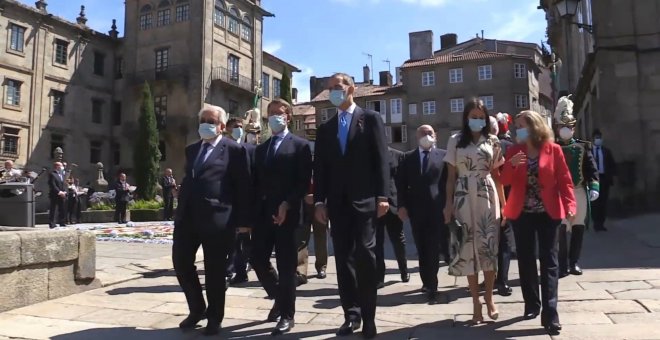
(565, 133)
(426, 142)
(598, 141)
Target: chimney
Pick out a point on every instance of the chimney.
(448, 40)
(41, 5)
(294, 94)
(366, 72)
(421, 45)
(385, 78)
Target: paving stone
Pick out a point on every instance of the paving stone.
(574, 318)
(652, 305)
(600, 306)
(54, 310)
(654, 283)
(31, 327)
(112, 302)
(615, 286)
(413, 320)
(607, 332)
(635, 318)
(177, 308)
(124, 317)
(615, 275)
(646, 294)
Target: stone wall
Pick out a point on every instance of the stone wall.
(39, 265)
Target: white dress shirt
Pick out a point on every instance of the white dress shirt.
(210, 149)
(349, 115)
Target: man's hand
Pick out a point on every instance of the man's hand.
(593, 195)
(403, 214)
(383, 207)
(321, 213)
(309, 199)
(61, 194)
(281, 213)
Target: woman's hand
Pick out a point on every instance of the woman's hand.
(448, 212)
(518, 159)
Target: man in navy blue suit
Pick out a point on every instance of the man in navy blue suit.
(351, 186)
(213, 201)
(282, 171)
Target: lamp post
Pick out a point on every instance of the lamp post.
(567, 10)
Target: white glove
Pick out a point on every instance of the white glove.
(593, 195)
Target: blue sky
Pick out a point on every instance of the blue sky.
(326, 36)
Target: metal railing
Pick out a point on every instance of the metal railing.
(233, 78)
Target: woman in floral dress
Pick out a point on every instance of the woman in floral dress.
(473, 158)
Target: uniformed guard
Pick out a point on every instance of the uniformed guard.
(580, 161)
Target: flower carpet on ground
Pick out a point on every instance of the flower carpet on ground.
(131, 232)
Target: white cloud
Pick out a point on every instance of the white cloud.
(301, 82)
(272, 46)
(519, 24)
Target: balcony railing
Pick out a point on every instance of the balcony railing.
(224, 75)
(171, 73)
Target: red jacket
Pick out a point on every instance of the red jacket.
(554, 180)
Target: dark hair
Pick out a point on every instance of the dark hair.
(232, 122)
(597, 133)
(466, 132)
(283, 102)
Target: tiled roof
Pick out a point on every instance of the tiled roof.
(293, 68)
(303, 110)
(460, 57)
(363, 90)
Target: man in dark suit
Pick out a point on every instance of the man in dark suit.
(168, 184)
(214, 200)
(282, 170)
(607, 171)
(57, 195)
(421, 186)
(351, 184)
(122, 197)
(394, 226)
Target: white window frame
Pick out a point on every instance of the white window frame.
(456, 75)
(412, 108)
(15, 99)
(3, 140)
(182, 13)
(489, 101)
(428, 107)
(297, 125)
(163, 17)
(456, 105)
(519, 71)
(521, 100)
(428, 78)
(396, 106)
(485, 72)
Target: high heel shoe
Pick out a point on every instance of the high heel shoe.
(477, 317)
(493, 314)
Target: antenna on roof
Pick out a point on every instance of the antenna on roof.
(389, 68)
(371, 60)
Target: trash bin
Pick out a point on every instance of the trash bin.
(17, 207)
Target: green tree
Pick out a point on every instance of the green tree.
(146, 154)
(285, 86)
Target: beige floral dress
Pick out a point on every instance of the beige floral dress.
(476, 204)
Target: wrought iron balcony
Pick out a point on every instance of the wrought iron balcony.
(169, 73)
(223, 74)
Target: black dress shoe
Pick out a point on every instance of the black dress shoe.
(321, 275)
(238, 280)
(576, 270)
(553, 328)
(212, 328)
(300, 280)
(274, 314)
(424, 289)
(192, 320)
(348, 328)
(369, 330)
(380, 285)
(284, 326)
(405, 277)
(563, 273)
(433, 298)
(504, 290)
(530, 315)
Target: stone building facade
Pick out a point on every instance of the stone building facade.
(610, 62)
(66, 85)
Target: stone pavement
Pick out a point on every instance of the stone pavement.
(618, 297)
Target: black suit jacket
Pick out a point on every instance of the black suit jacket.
(284, 179)
(396, 157)
(218, 195)
(608, 163)
(55, 184)
(362, 173)
(121, 195)
(167, 188)
(423, 193)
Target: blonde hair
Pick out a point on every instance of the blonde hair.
(539, 131)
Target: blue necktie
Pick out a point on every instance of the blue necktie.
(343, 131)
(200, 160)
(272, 149)
(425, 162)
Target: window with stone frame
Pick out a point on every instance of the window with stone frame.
(13, 92)
(99, 63)
(519, 71)
(116, 153)
(233, 66)
(277, 87)
(456, 75)
(95, 151)
(160, 110)
(428, 107)
(146, 17)
(163, 17)
(456, 104)
(399, 134)
(182, 13)
(488, 101)
(232, 107)
(61, 51)
(428, 78)
(10, 139)
(119, 68)
(162, 59)
(219, 13)
(57, 98)
(485, 72)
(16, 37)
(97, 111)
(265, 85)
(234, 24)
(246, 29)
(521, 101)
(116, 113)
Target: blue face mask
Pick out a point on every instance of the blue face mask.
(237, 133)
(476, 125)
(207, 131)
(277, 123)
(337, 97)
(522, 135)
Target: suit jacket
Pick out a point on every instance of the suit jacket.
(285, 178)
(121, 195)
(554, 179)
(426, 193)
(362, 173)
(218, 195)
(55, 184)
(395, 159)
(608, 163)
(167, 187)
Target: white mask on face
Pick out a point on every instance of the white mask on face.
(565, 133)
(426, 142)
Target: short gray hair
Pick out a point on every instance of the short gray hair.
(222, 115)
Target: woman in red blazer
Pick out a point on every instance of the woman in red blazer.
(541, 196)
